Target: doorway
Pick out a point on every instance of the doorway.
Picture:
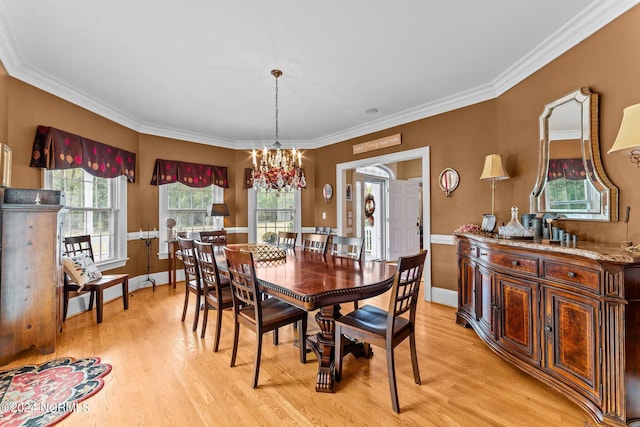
(343, 219)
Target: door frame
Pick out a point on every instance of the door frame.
(422, 153)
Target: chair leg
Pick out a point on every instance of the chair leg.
(125, 293)
(256, 370)
(236, 335)
(91, 299)
(302, 337)
(99, 299)
(65, 309)
(196, 316)
(216, 338)
(391, 372)
(205, 318)
(414, 358)
(337, 359)
(186, 304)
(275, 336)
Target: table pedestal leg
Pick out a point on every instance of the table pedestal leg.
(323, 345)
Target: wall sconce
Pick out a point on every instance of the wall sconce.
(628, 139)
(220, 209)
(493, 171)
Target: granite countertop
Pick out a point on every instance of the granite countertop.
(597, 251)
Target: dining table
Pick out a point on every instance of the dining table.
(317, 281)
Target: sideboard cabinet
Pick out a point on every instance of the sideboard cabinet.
(30, 274)
(567, 315)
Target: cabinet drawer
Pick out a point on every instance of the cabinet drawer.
(514, 262)
(584, 276)
(468, 249)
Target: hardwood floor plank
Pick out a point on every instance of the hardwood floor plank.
(165, 375)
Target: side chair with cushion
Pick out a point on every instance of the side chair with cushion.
(389, 328)
(192, 281)
(259, 314)
(216, 289)
(82, 275)
(315, 242)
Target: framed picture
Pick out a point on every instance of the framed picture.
(347, 194)
(5, 165)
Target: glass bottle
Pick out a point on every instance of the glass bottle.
(514, 228)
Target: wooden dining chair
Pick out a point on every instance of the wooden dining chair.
(81, 245)
(255, 312)
(216, 237)
(389, 328)
(323, 230)
(287, 239)
(192, 280)
(314, 242)
(348, 247)
(216, 288)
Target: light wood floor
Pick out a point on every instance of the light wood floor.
(165, 375)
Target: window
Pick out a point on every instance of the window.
(568, 195)
(273, 212)
(93, 206)
(189, 207)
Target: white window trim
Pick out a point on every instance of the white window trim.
(163, 215)
(252, 203)
(120, 206)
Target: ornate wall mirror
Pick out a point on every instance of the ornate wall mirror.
(571, 180)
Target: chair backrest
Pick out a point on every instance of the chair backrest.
(242, 275)
(190, 262)
(314, 242)
(406, 287)
(77, 245)
(209, 273)
(217, 237)
(323, 230)
(287, 239)
(347, 247)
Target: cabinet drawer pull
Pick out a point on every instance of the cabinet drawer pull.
(548, 328)
(483, 254)
(515, 263)
(571, 274)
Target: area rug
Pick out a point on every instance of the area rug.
(42, 395)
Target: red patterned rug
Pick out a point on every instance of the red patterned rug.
(42, 395)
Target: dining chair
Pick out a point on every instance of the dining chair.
(255, 312)
(348, 247)
(192, 280)
(388, 328)
(81, 246)
(323, 230)
(216, 288)
(217, 237)
(314, 242)
(287, 239)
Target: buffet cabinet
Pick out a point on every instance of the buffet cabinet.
(569, 316)
(30, 274)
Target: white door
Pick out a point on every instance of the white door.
(358, 198)
(404, 217)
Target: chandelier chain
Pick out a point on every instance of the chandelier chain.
(277, 139)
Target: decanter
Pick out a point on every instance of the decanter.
(514, 228)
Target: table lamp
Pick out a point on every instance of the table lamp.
(220, 209)
(628, 139)
(493, 171)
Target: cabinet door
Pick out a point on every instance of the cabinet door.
(517, 313)
(485, 303)
(466, 293)
(572, 340)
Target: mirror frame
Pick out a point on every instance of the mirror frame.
(590, 146)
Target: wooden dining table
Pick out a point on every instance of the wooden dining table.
(317, 281)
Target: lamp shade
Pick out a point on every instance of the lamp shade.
(219, 209)
(628, 137)
(493, 168)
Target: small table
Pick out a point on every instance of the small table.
(173, 248)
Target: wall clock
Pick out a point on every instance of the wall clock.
(327, 192)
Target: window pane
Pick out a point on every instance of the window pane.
(189, 207)
(274, 212)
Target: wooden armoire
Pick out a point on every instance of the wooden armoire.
(30, 272)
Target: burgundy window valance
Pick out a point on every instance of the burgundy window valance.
(57, 149)
(571, 169)
(190, 174)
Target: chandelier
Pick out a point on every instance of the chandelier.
(278, 170)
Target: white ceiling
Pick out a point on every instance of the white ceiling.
(199, 70)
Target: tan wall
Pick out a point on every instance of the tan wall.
(458, 139)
